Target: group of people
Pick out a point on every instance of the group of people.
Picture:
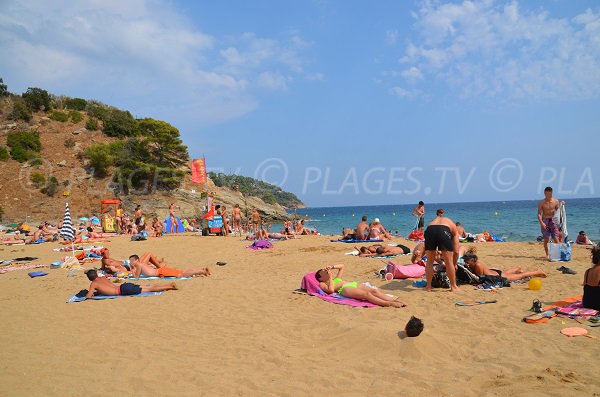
(147, 265)
(367, 231)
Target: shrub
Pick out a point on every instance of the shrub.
(1, 213)
(3, 153)
(76, 103)
(20, 111)
(96, 109)
(59, 116)
(69, 142)
(75, 116)
(23, 145)
(37, 99)
(52, 187)
(35, 162)
(66, 183)
(91, 124)
(38, 180)
(119, 123)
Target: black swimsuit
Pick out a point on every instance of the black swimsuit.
(438, 237)
(591, 295)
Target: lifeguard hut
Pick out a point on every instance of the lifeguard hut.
(109, 211)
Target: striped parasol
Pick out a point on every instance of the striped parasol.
(67, 231)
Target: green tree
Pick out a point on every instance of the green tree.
(37, 99)
(164, 142)
(119, 123)
(20, 111)
(3, 89)
(76, 103)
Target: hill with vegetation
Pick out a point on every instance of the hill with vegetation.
(57, 148)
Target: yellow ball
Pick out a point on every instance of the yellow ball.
(535, 284)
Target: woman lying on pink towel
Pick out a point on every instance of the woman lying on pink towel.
(352, 289)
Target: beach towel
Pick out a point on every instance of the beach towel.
(405, 271)
(142, 278)
(178, 227)
(260, 245)
(80, 296)
(37, 274)
(7, 269)
(311, 286)
(576, 309)
(354, 241)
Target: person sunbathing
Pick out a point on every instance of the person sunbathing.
(39, 237)
(352, 289)
(591, 282)
(140, 268)
(480, 269)
(113, 266)
(582, 239)
(383, 250)
(104, 287)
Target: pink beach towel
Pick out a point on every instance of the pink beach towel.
(311, 285)
(576, 309)
(405, 271)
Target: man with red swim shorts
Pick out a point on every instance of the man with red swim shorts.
(141, 269)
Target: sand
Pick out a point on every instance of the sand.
(243, 332)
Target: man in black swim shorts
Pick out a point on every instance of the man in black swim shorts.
(441, 234)
(101, 286)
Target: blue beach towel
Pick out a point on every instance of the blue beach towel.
(80, 296)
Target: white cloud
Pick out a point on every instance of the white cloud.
(412, 74)
(391, 36)
(404, 93)
(272, 81)
(499, 50)
(315, 77)
(143, 55)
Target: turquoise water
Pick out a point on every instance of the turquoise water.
(511, 220)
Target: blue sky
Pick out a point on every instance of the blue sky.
(341, 102)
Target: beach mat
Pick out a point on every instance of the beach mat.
(550, 311)
(80, 296)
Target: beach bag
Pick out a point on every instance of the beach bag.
(440, 280)
(560, 252)
(406, 271)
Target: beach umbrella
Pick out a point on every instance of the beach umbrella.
(95, 220)
(68, 231)
(84, 219)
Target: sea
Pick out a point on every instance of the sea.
(510, 220)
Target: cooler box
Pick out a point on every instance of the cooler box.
(216, 224)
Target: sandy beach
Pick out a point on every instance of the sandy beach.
(244, 332)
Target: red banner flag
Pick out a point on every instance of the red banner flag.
(199, 171)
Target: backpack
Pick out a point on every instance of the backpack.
(440, 279)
